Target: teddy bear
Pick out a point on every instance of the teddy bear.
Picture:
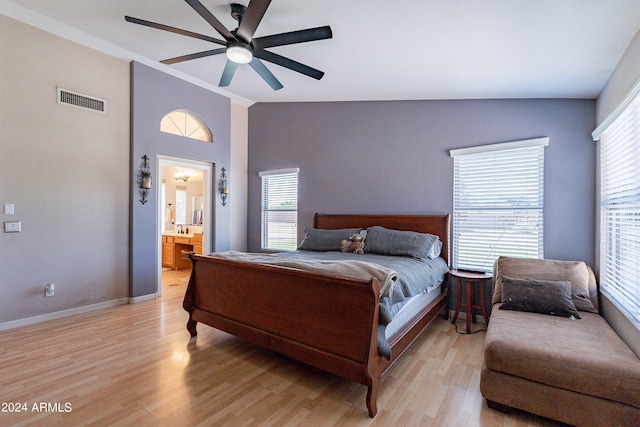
(355, 244)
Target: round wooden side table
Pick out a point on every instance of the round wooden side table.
(470, 279)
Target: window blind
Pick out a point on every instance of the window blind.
(280, 209)
(620, 212)
(498, 203)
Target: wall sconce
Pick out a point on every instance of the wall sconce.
(223, 186)
(144, 179)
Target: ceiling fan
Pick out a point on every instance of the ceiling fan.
(240, 46)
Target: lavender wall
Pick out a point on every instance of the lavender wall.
(393, 157)
(154, 94)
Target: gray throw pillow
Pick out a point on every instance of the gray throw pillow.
(538, 296)
(316, 239)
(384, 241)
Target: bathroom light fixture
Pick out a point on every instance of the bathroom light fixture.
(239, 53)
(181, 176)
(223, 186)
(144, 179)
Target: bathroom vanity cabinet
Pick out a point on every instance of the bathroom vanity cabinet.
(173, 244)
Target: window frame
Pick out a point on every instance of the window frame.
(267, 227)
(186, 124)
(619, 209)
(477, 208)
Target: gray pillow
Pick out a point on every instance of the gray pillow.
(316, 239)
(384, 241)
(538, 296)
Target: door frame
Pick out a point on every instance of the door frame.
(208, 226)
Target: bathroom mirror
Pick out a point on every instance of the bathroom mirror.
(197, 210)
(183, 197)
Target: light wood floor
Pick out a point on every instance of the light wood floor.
(135, 365)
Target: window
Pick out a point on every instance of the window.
(498, 202)
(620, 211)
(183, 123)
(181, 205)
(280, 209)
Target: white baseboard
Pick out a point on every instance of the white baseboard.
(63, 313)
(142, 298)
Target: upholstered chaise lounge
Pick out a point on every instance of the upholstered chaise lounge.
(577, 371)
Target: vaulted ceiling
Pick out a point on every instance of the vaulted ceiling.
(380, 50)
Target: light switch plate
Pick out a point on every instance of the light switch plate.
(12, 227)
(9, 208)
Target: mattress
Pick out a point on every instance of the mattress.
(412, 307)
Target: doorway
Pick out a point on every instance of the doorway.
(184, 214)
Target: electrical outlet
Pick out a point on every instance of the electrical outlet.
(49, 290)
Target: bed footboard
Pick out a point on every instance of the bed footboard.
(327, 322)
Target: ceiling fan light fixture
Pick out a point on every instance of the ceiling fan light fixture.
(239, 53)
(240, 44)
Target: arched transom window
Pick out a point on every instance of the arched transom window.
(183, 123)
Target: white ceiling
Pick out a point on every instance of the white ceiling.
(380, 50)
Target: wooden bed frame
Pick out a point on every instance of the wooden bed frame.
(327, 322)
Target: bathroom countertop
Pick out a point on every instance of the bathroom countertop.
(176, 234)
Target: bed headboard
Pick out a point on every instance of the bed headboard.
(432, 224)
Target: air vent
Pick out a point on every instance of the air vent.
(75, 99)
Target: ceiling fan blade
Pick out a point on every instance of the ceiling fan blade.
(288, 63)
(251, 19)
(174, 30)
(191, 56)
(266, 75)
(227, 74)
(212, 20)
(293, 37)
